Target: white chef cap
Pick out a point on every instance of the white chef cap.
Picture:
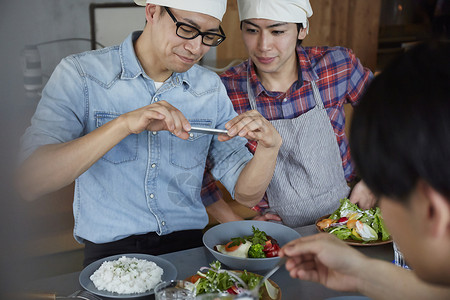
(291, 11)
(214, 8)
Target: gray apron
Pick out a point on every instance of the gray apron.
(309, 178)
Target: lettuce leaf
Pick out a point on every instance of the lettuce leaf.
(342, 232)
(345, 206)
(379, 226)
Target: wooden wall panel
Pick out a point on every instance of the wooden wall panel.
(349, 23)
(232, 47)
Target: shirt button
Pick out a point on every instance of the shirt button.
(156, 99)
(163, 223)
(191, 135)
(152, 196)
(154, 133)
(285, 99)
(153, 165)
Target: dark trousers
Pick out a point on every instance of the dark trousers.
(149, 243)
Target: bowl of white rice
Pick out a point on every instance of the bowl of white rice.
(126, 275)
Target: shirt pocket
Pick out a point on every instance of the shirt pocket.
(190, 153)
(126, 150)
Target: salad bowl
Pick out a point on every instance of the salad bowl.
(223, 233)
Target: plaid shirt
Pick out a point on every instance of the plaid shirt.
(340, 78)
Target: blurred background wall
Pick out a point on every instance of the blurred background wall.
(36, 238)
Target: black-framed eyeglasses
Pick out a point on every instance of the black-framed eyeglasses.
(189, 32)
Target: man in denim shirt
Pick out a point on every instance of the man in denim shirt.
(118, 121)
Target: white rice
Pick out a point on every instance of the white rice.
(127, 275)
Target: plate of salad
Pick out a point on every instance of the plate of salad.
(355, 226)
(215, 279)
(248, 245)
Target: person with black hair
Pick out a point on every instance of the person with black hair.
(400, 140)
(302, 92)
(117, 121)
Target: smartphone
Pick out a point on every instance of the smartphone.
(208, 130)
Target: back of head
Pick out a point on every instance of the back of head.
(400, 131)
(291, 11)
(214, 8)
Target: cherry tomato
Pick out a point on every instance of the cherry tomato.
(273, 251)
(271, 248)
(194, 278)
(267, 246)
(233, 290)
(343, 219)
(230, 248)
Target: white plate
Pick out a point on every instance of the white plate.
(170, 273)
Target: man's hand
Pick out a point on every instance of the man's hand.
(256, 175)
(325, 259)
(253, 126)
(155, 117)
(362, 196)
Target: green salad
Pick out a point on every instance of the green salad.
(214, 279)
(351, 222)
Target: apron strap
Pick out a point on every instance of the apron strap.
(251, 95)
(317, 96)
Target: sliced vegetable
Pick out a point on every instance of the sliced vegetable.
(355, 235)
(231, 246)
(342, 220)
(366, 232)
(271, 290)
(325, 223)
(351, 224)
(194, 278)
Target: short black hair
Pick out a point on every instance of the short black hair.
(299, 27)
(400, 131)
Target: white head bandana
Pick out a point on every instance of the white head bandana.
(290, 11)
(214, 8)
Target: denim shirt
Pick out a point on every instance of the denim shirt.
(149, 182)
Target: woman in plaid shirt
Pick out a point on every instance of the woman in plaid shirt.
(302, 91)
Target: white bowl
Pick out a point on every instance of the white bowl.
(222, 234)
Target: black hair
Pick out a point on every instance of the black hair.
(299, 27)
(162, 10)
(400, 131)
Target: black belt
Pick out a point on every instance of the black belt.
(150, 243)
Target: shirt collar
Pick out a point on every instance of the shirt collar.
(306, 67)
(132, 68)
(257, 86)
